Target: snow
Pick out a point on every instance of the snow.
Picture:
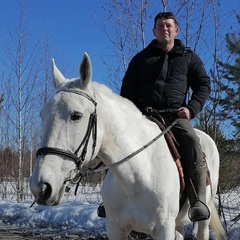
(68, 218)
(78, 215)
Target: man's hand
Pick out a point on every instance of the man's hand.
(184, 113)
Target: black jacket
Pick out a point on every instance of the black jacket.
(150, 82)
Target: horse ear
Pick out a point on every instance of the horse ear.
(85, 70)
(58, 78)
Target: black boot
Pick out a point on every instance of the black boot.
(197, 192)
(101, 211)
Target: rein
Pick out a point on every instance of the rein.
(80, 174)
(92, 128)
(100, 169)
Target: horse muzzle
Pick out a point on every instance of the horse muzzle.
(46, 193)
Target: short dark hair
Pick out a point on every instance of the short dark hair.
(166, 15)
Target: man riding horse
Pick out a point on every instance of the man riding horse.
(159, 78)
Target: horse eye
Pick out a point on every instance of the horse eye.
(76, 116)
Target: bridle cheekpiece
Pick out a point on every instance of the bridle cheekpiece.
(91, 129)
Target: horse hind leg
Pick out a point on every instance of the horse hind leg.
(215, 224)
(203, 230)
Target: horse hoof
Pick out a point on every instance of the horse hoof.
(101, 211)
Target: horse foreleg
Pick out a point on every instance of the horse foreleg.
(115, 232)
(180, 232)
(179, 236)
(166, 231)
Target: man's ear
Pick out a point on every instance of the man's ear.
(154, 32)
(177, 30)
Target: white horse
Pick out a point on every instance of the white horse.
(85, 120)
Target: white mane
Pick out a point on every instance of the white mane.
(123, 104)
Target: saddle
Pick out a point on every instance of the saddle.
(172, 144)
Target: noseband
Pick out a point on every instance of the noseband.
(92, 128)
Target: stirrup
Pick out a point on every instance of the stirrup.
(198, 211)
(101, 211)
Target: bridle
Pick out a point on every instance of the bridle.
(91, 129)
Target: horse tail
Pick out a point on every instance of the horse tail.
(216, 224)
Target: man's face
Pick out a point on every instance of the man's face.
(165, 31)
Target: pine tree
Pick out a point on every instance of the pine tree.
(230, 101)
(1, 100)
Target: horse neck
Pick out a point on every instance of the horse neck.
(123, 127)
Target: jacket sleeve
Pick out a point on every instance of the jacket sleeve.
(130, 83)
(199, 82)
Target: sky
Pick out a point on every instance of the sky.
(73, 27)
(77, 216)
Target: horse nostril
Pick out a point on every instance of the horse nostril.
(46, 192)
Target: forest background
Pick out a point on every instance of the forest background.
(112, 32)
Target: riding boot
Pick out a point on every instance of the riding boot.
(197, 192)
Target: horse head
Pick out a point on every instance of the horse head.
(69, 135)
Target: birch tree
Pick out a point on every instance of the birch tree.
(22, 69)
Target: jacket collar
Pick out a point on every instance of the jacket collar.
(179, 47)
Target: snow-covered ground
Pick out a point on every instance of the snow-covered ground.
(78, 214)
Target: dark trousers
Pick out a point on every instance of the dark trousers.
(189, 143)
